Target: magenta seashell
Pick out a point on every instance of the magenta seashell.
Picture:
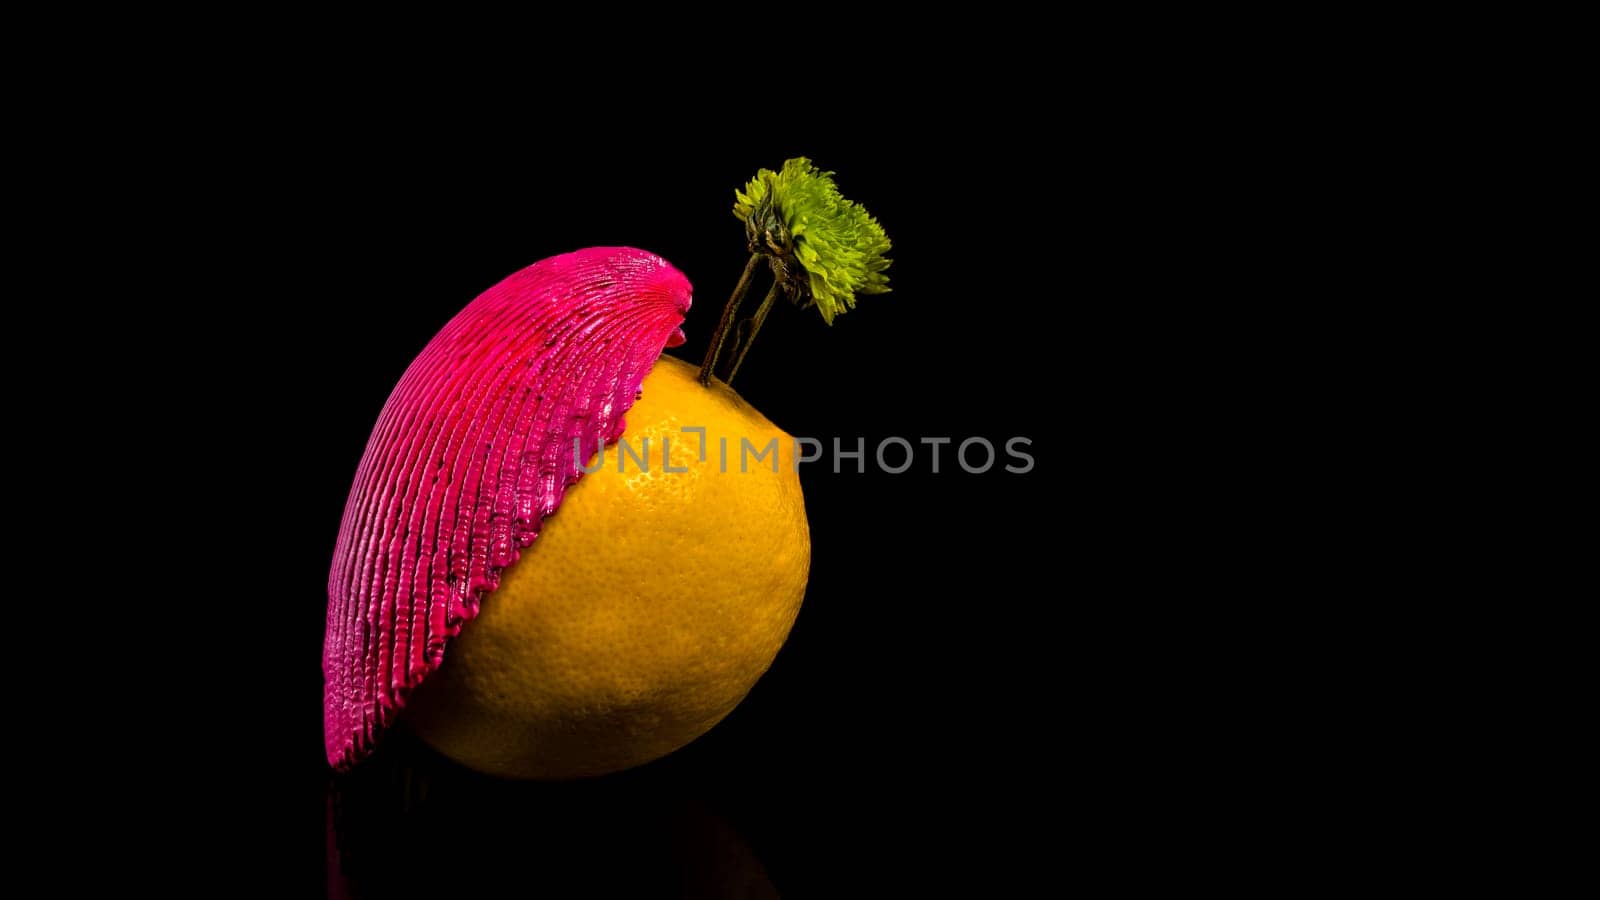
(474, 448)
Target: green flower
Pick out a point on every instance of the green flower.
(798, 214)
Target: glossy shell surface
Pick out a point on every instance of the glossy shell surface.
(477, 444)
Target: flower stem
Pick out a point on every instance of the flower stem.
(729, 312)
(747, 333)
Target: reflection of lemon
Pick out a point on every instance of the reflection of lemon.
(647, 608)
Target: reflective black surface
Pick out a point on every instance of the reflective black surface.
(408, 823)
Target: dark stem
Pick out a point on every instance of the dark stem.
(747, 333)
(729, 312)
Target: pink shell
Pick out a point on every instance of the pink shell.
(471, 452)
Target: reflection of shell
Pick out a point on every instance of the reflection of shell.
(387, 820)
(471, 452)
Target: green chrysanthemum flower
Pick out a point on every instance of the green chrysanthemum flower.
(798, 212)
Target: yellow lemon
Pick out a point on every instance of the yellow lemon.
(647, 608)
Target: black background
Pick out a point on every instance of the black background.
(949, 712)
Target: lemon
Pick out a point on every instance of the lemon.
(647, 608)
